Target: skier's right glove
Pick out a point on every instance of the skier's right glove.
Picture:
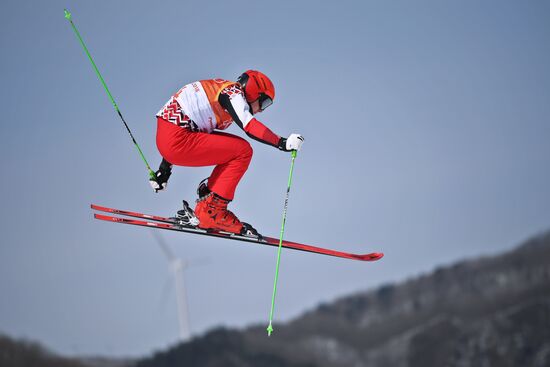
(161, 176)
(293, 142)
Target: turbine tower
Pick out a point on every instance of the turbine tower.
(177, 267)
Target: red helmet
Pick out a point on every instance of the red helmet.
(257, 86)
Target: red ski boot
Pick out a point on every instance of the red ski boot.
(211, 211)
(213, 214)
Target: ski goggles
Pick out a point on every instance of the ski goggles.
(265, 101)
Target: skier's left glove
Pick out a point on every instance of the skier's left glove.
(293, 142)
(161, 176)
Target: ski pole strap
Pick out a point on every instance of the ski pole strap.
(68, 16)
(270, 326)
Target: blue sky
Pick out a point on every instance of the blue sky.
(427, 137)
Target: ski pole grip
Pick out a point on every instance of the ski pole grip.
(294, 153)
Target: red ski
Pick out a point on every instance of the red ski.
(154, 221)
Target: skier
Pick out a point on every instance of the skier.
(186, 136)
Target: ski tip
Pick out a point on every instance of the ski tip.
(372, 257)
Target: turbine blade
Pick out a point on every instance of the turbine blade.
(163, 245)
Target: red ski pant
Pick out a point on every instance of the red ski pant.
(229, 153)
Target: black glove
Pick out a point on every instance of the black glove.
(161, 176)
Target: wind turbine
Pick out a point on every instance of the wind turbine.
(177, 266)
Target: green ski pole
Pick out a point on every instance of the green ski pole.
(69, 18)
(270, 326)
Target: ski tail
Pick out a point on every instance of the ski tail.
(110, 218)
(131, 214)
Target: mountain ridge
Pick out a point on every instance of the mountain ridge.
(463, 308)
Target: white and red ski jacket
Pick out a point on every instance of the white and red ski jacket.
(212, 104)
